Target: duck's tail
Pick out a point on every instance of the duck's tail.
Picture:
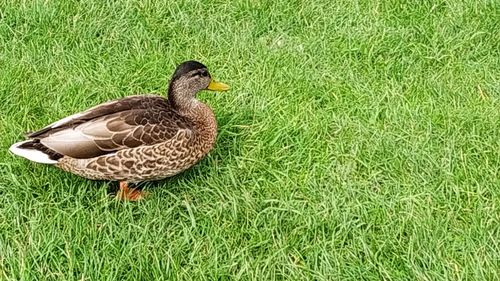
(34, 151)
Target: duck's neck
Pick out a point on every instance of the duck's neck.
(180, 101)
(204, 120)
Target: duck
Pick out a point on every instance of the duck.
(134, 139)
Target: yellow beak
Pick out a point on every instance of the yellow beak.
(217, 86)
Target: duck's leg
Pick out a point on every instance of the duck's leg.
(126, 193)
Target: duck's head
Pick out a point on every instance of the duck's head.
(189, 78)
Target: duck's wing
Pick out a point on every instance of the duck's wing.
(107, 128)
(108, 108)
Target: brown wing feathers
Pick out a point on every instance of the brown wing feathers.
(127, 103)
(113, 126)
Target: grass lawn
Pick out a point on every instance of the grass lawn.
(360, 140)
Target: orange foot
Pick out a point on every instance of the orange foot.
(129, 194)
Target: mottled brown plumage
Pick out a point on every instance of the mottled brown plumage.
(137, 138)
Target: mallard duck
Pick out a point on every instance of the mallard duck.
(133, 139)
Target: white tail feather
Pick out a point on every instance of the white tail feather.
(31, 154)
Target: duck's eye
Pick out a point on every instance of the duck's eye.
(204, 74)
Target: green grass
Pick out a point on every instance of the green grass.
(360, 140)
